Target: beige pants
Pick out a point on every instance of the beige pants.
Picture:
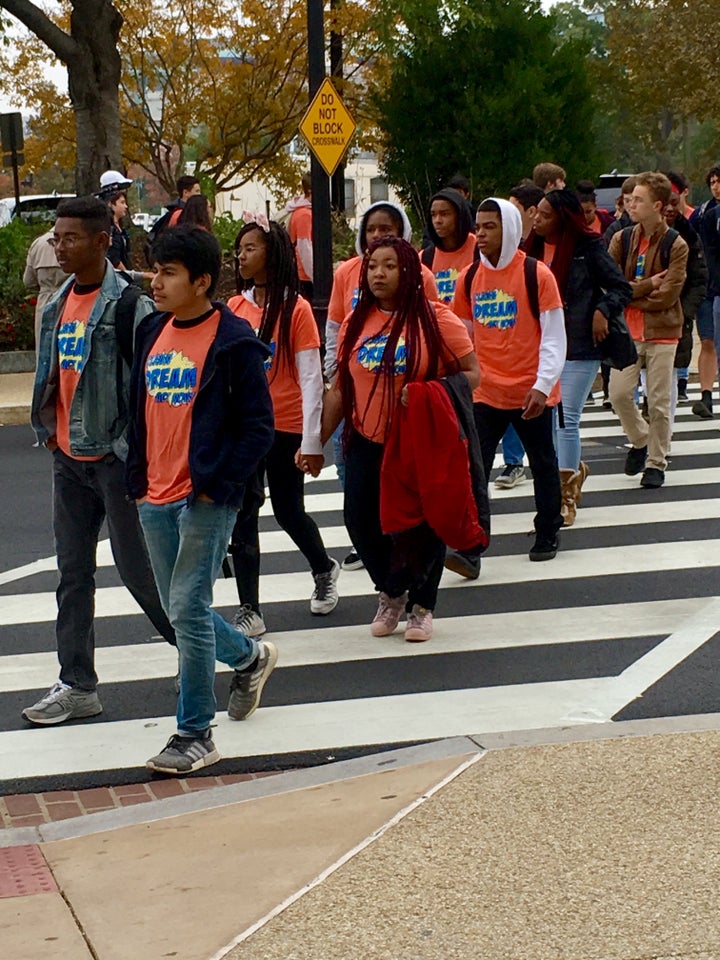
(658, 360)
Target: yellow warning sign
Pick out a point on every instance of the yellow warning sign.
(328, 127)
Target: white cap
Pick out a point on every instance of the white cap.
(113, 178)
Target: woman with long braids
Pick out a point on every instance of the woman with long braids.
(266, 275)
(593, 290)
(393, 337)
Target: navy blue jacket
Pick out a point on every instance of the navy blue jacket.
(232, 416)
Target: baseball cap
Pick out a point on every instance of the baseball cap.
(113, 178)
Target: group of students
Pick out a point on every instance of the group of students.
(174, 448)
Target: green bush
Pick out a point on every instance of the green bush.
(16, 306)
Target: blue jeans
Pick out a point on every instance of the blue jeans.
(575, 383)
(512, 448)
(187, 546)
(339, 453)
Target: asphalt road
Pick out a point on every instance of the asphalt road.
(621, 625)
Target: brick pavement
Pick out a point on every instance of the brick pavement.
(31, 810)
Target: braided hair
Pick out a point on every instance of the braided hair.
(412, 317)
(281, 293)
(572, 229)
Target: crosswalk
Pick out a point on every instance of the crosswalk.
(573, 641)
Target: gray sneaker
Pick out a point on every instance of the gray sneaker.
(185, 754)
(511, 476)
(62, 703)
(325, 595)
(249, 621)
(246, 686)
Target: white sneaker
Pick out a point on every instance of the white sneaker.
(249, 621)
(325, 595)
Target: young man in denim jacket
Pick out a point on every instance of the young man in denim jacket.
(79, 412)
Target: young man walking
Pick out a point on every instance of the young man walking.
(655, 265)
(201, 421)
(519, 333)
(79, 412)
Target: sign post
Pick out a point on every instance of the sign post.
(13, 142)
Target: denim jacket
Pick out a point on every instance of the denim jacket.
(99, 411)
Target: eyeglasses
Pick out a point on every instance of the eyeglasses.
(64, 241)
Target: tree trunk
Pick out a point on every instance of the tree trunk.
(93, 80)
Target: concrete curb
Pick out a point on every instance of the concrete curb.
(14, 415)
(347, 769)
(17, 361)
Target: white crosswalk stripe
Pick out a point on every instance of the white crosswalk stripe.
(525, 646)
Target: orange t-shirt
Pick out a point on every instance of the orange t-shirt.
(507, 335)
(175, 216)
(346, 288)
(173, 371)
(371, 409)
(548, 253)
(71, 359)
(282, 373)
(300, 228)
(447, 267)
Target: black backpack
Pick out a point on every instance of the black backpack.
(125, 321)
(531, 283)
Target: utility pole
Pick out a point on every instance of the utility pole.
(336, 70)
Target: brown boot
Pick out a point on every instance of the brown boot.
(570, 480)
(584, 471)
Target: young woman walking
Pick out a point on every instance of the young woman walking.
(593, 289)
(393, 337)
(266, 275)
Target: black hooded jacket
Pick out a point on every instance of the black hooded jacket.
(466, 223)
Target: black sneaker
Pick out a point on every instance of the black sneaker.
(544, 548)
(653, 478)
(352, 561)
(702, 409)
(465, 564)
(635, 460)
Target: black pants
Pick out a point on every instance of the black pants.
(536, 436)
(84, 494)
(286, 485)
(412, 560)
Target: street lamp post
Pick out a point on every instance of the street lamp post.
(321, 220)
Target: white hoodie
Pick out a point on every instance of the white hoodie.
(553, 340)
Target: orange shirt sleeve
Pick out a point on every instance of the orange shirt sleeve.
(460, 305)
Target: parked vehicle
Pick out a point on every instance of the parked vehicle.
(144, 220)
(31, 208)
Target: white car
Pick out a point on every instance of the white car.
(32, 208)
(144, 220)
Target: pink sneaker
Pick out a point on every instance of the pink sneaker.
(388, 614)
(419, 624)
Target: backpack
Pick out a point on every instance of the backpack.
(125, 321)
(531, 283)
(665, 246)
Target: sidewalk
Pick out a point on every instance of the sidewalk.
(603, 847)
(15, 397)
